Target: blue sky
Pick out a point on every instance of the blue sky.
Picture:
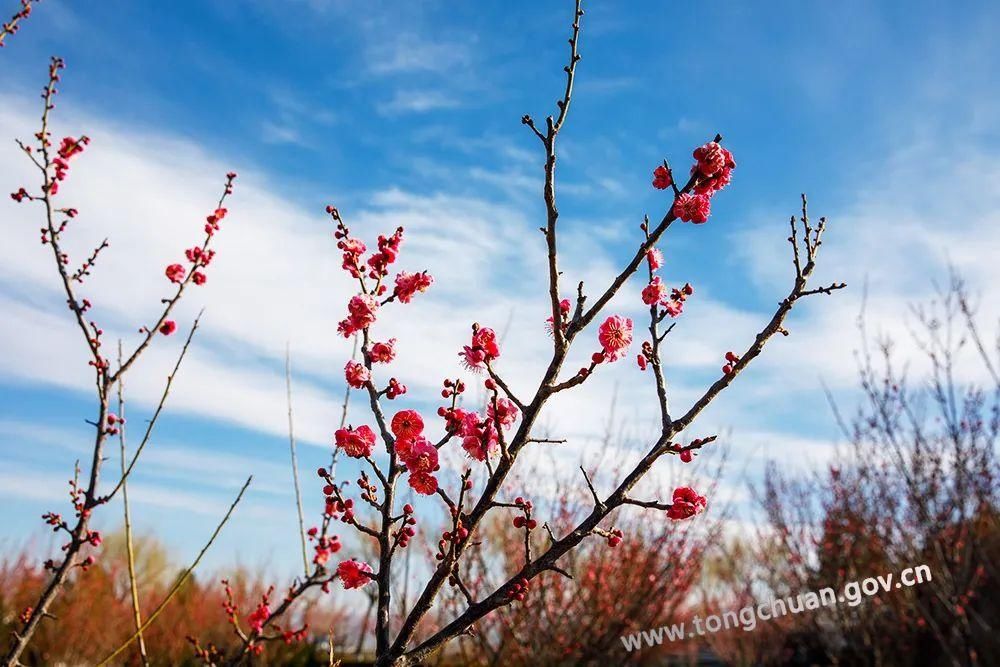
(409, 114)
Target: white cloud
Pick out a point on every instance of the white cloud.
(409, 53)
(414, 100)
(895, 238)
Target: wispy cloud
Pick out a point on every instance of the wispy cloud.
(278, 133)
(417, 101)
(411, 53)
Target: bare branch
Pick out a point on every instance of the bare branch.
(156, 414)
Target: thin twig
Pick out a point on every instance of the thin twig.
(295, 463)
(180, 581)
(156, 413)
(12, 26)
(129, 547)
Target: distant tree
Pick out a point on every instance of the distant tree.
(917, 485)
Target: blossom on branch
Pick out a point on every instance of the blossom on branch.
(175, 273)
(356, 443)
(615, 336)
(383, 353)
(354, 574)
(484, 348)
(408, 284)
(686, 504)
(356, 374)
(655, 258)
(662, 178)
(407, 424)
(693, 208)
(361, 311)
(714, 168)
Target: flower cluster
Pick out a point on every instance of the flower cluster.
(711, 172)
(731, 360)
(325, 546)
(483, 350)
(113, 422)
(408, 284)
(261, 612)
(354, 249)
(524, 519)
(198, 257)
(693, 207)
(454, 537)
(361, 311)
(714, 168)
(376, 268)
(68, 148)
(415, 452)
(501, 411)
(388, 251)
(656, 293)
(479, 435)
(394, 389)
(215, 217)
(686, 504)
(357, 442)
(518, 591)
(406, 531)
(686, 453)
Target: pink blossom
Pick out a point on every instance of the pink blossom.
(484, 348)
(615, 336)
(662, 178)
(418, 455)
(654, 292)
(259, 616)
(505, 413)
(693, 208)
(686, 504)
(655, 258)
(710, 158)
(352, 249)
(408, 284)
(354, 574)
(356, 443)
(361, 311)
(479, 439)
(383, 353)
(407, 424)
(175, 273)
(564, 307)
(423, 483)
(356, 374)
(714, 168)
